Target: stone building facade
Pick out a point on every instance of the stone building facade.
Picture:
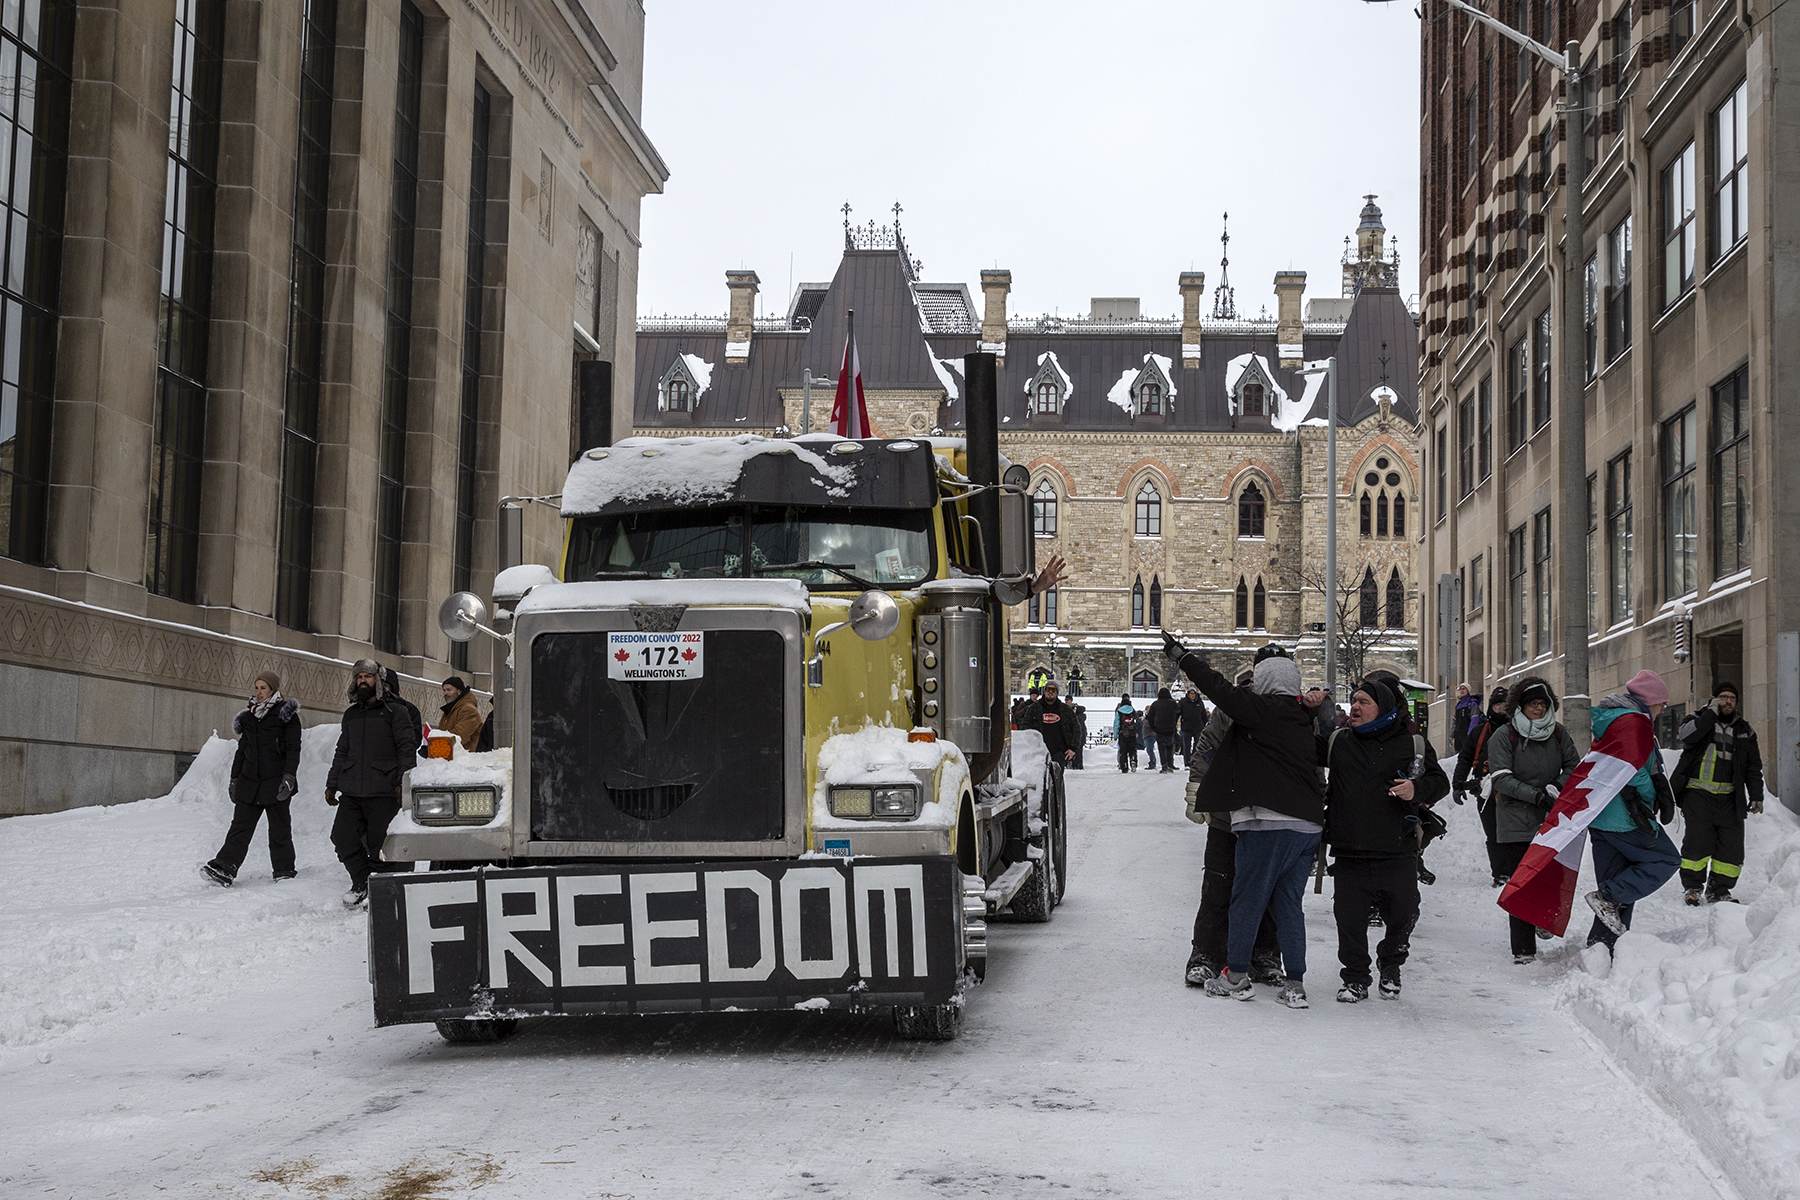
(1179, 464)
(1690, 269)
(296, 293)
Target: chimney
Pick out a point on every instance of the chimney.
(743, 315)
(994, 287)
(1290, 286)
(1192, 284)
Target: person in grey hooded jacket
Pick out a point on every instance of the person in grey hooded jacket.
(1529, 761)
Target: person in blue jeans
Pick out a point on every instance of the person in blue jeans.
(1632, 855)
(1265, 777)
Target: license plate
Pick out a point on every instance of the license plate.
(638, 657)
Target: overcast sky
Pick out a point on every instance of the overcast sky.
(1088, 147)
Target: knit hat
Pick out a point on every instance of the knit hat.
(1272, 650)
(1277, 676)
(1726, 687)
(1380, 693)
(1497, 696)
(1649, 688)
(456, 682)
(1537, 689)
(274, 680)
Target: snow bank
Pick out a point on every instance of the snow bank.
(622, 593)
(684, 470)
(1705, 1008)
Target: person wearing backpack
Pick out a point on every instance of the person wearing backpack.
(1126, 727)
(1472, 768)
(1531, 758)
(1719, 781)
(1383, 780)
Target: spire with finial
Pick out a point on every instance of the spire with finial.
(849, 243)
(1224, 299)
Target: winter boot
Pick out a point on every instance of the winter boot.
(1353, 993)
(1691, 897)
(1292, 994)
(1266, 971)
(281, 875)
(218, 874)
(1199, 970)
(1231, 984)
(1524, 960)
(1426, 877)
(1390, 986)
(1721, 898)
(1606, 911)
(356, 896)
(1543, 935)
(1500, 880)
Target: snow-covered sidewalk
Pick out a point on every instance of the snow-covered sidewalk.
(157, 1033)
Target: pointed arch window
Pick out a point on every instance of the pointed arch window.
(1137, 604)
(1381, 515)
(1370, 615)
(1251, 512)
(1149, 511)
(1254, 402)
(1243, 605)
(1366, 509)
(678, 395)
(1043, 510)
(1144, 684)
(1049, 398)
(1155, 602)
(1150, 399)
(1399, 515)
(1050, 608)
(1396, 601)
(1259, 607)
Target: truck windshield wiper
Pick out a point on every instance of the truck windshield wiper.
(626, 574)
(815, 565)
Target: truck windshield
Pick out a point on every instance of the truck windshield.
(827, 548)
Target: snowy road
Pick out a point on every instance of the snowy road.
(157, 1036)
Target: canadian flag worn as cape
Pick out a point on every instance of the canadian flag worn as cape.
(1542, 890)
(850, 412)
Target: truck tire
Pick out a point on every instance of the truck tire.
(1059, 822)
(927, 1022)
(1037, 899)
(477, 1031)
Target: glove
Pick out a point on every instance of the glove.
(1457, 792)
(284, 793)
(1665, 799)
(1543, 799)
(231, 790)
(1173, 649)
(1756, 805)
(331, 797)
(1193, 800)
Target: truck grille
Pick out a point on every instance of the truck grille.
(649, 803)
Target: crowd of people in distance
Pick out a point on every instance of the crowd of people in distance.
(381, 734)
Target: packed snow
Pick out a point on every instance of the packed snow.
(1061, 376)
(691, 593)
(1120, 392)
(684, 470)
(159, 1035)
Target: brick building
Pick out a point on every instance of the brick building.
(293, 294)
(1689, 274)
(1178, 463)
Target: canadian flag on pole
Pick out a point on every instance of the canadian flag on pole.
(1542, 890)
(850, 413)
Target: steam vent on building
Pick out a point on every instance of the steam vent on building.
(1178, 463)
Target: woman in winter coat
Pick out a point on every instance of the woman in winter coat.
(1127, 725)
(264, 776)
(1529, 760)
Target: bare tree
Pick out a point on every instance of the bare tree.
(1354, 638)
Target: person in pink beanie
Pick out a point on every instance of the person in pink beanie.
(1632, 855)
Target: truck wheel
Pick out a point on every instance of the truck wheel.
(927, 1022)
(477, 1031)
(1060, 824)
(1037, 899)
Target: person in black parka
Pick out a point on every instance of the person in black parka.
(264, 776)
(376, 744)
(1164, 718)
(1057, 722)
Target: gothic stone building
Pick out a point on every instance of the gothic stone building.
(1690, 267)
(1178, 463)
(293, 294)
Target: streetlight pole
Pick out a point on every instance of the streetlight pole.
(1331, 498)
(1573, 594)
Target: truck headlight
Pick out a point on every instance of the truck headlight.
(464, 806)
(894, 802)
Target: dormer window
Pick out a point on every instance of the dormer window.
(1048, 392)
(1150, 400)
(1146, 391)
(1253, 393)
(1255, 403)
(679, 390)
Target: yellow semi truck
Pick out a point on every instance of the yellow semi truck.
(762, 754)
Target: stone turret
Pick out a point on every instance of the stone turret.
(742, 320)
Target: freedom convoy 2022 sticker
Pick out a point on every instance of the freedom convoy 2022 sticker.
(593, 938)
(637, 657)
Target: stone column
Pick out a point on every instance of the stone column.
(995, 284)
(742, 321)
(1193, 283)
(1290, 286)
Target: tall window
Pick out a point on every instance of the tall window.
(1243, 604)
(403, 209)
(1149, 511)
(1731, 473)
(1443, 470)
(1381, 515)
(1368, 601)
(1618, 538)
(1593, 553)
(1048, 397)
(1731, 161)
(1518, 620)
(1150, 399)
(1523, 59)
(1590, 116)
(1678, 226)
(1043, 510)
(1618, 289)
(1367, 510)
(1540, 363)
(1465, 446)
(1590, 314)
(1042, 609)
(1259, 606)
(1033, 610)
(36, 44)
(1155, 603)
(1399, 514)
(1253, 400)
(1472, 115)
(1396, 601)
(1541, 582)
(1484, 428)
(1518, 393)
(1680, 531)
(1521, 211)
(306, 316)
(1137, 603)
(178, 431)
(1050, 607)
(1251, 510)
(1681, 24)
(677, 394)
(474, 290)
(1475, 595)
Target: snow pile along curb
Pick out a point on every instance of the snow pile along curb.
(1708, 1015)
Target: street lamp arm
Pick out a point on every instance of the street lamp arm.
(1559, 61)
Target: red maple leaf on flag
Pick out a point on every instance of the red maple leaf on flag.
(688, 655)
(622, 655)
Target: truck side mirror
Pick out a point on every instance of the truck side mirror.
(1018, 549)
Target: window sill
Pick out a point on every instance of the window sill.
(1727, 260)
(1624, 356)
(1252, 537)
(1686, 299)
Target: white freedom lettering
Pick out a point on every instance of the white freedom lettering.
(890, 881)
(645, 932)
(814, 879)
(718, 952)
(418, 899)
(501, 927)
(572, 937)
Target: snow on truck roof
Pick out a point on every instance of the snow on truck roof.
(626, 593)
(653, 472)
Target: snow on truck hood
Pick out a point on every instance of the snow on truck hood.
(695, 593)
(687, 470)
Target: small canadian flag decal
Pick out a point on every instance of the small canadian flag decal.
(688, 655)
(622, 655)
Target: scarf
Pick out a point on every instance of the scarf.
(1378, 724)
(261, 707)
(1537, 730)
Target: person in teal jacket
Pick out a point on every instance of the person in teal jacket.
(1632, 855)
